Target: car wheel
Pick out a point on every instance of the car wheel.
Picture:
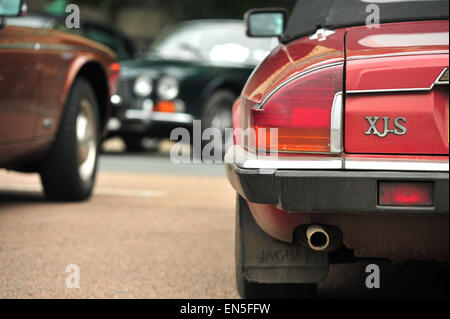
(217, 113)
(253, 290)
(68, 172)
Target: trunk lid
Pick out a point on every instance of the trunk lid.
(397, 98)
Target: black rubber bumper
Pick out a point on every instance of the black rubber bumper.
(332, 191)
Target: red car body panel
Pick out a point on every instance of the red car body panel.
(402, 56)
(427, 123)
(44, 64)
(291, 59)
(414, 54)
(409, 72)
(387, 236)
(397, 39)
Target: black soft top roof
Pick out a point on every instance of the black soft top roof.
(310, 15)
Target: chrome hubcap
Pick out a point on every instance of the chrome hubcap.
(87, 140)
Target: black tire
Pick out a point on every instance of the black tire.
(220, 103)
(134, 144)
(137, 144)
(61, 170)
(253, 290)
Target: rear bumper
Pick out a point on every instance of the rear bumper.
(149, 117)
(329, 189)
(139, 121)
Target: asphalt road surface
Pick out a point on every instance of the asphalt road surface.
(152, 230)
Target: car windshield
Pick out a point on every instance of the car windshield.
(212, 42)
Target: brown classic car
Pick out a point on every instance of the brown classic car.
(54, 104)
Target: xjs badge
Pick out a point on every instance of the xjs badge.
(398, 124)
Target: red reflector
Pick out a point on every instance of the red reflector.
(165, 107)
(114, 71)
(115, 67)
(406, 194)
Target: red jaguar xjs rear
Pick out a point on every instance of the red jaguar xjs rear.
(345, 150)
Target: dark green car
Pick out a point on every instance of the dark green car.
(196, 70)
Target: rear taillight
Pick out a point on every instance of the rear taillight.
(306, 111)
(406, 194)
(113, 76)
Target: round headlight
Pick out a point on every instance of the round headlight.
(143, 86)
(168, 88)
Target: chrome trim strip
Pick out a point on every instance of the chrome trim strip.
(243, 159)
(293, 78)
(251, 99)
(336, 124)
(437, 82)
(182, 118)
(137, 115)
(148, 117)
(36, 46)
(389, 90)
(363, 57)
(372, 165)
(323, 163)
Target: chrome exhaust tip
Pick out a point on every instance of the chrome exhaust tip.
(318, 238)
